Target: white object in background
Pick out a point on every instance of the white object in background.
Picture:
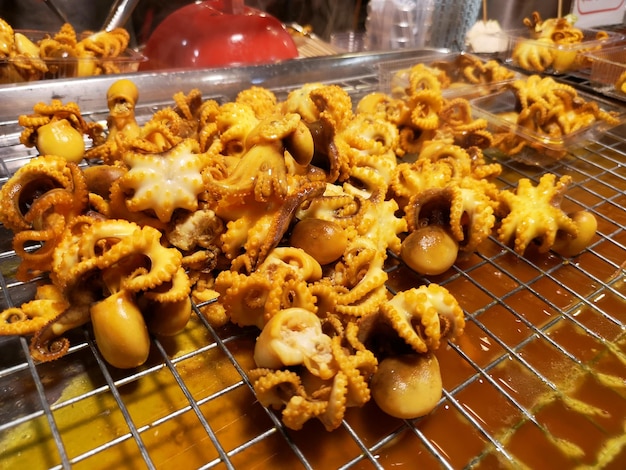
(486, 37)
(592, 13)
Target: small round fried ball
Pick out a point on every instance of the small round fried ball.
(324, 240)
(429, 250)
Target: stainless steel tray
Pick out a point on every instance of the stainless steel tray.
(536, 381)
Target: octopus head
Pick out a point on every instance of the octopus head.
(292, 337)
(430, 248)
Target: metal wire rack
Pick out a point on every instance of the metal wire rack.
(536, 381)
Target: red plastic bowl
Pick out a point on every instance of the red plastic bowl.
(201, 35)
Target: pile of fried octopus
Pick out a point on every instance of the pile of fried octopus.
(64, 53)
(554, 43)
(274, 214)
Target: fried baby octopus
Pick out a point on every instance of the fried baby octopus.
(258, 193)
(119, 277)
(404, 335)
(463, 70)
(448, 205)
(36, 204)
(550, 45)
(245, 175)
(545, 107)
(90, 260)
(25, 61)
(329, 370)
(422, 114)
(532, 214)
(280, 282)
(167, 127)
(61, 54)
(156, 185)
(58, 129)
(316, 368)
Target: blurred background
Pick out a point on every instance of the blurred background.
(323, 16)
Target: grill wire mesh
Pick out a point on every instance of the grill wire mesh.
(536, 381)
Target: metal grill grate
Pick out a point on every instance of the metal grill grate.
(536, 381)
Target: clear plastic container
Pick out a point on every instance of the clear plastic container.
(542, 57)
(400, 24)
(19, 69)
(391, 24)
(393, 75)
(608, 71)
(536, 147)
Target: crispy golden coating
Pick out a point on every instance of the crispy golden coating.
(424, 316)
(31, 316)
(262, 101)
(357, 285)
(370, 145)
(281, 282)
(421, 114)
(167, 128)
(37, 203)
(46, 201)
(160, 183)
(120, 263)
(465, 69)
(57, 129)
(532, 214)
(304, 394)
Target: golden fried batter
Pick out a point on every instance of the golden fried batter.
(201, 203)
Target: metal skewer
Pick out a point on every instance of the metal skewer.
(57, 11)
(119, 14)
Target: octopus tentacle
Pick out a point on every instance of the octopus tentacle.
(33, 181)
(280, 282)
(425, 108)
(47, 343)
(258, 233)
(39, 200)
(243, 296)
(37, 262)
(424, 316)
(359, 279)
(334, 103)
(58, 129)
(31, 316)
(262, 101)
(357, 363)
(467, 211)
